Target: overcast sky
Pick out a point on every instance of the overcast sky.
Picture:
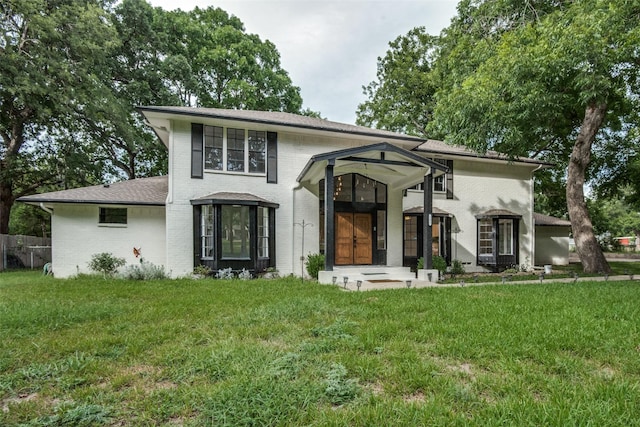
(330, 48)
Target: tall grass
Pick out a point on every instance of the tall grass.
(183, 352)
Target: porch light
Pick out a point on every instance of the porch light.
(358, 284)
(408, 283)
(345, 279)
(334, 279)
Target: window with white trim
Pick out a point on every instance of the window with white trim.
(263, 232)
(505, 236)
(485, 236)
(206, 231)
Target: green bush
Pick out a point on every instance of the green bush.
(314, 263)
(439, 263)
(457, 267)
(144, 271)
(106, 263)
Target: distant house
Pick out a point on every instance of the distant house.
(242, 183)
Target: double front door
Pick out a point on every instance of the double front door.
(354, 238)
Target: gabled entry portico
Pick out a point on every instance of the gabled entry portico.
(375, 171)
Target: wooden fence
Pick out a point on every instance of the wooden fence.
(24, 252)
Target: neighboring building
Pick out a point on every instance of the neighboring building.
(552, 240)
(242, 183)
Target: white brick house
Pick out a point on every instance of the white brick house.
(242, 183)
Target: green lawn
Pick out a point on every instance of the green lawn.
(101, 352)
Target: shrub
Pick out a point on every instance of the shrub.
(439, 264)
(106, 263)
(225, 273)
(144, 271)
(315, 263)
(457, 267)
(201, 270)
(245, 275)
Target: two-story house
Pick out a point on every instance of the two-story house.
(245, 187)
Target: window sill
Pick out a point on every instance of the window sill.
(113, 225)
(217, 172)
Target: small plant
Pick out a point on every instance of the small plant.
(315, 263)
(201, 270)
(106, 263)
(144, 271)
(225, 273)
(457, 267)
(420, 265)
(245, 275)
(439, 264)
(340, 390)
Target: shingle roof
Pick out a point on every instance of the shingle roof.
(419, 209)
(440, 147)
(493, 213)
(549, 221)
(282, 119)
(142, 191)
(231, 198)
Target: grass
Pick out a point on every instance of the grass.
(246, 353)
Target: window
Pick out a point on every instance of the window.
(485, 236)
(381, 228)
(505, 235)
(439, 184)
(112, 216)
(206, 231)
(410, 236)
(235, 150)
(263, 232)
(235, 231)
(257, 151)
(213, 147)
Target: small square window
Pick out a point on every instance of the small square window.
(113, 216)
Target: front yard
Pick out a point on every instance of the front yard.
(185, 352)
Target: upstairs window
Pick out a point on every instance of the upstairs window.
(116, 216)
(235, 150)
(257, 151)
(213, 146)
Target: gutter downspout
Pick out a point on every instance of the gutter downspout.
(46, 209)
(294, 189)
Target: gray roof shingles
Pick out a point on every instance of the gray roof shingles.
(549, 221)
(142, 191)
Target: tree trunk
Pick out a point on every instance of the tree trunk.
(6, 202)
(591, 256)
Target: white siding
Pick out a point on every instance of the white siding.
(296, 204)
(479, 186)
(552, 245)
(77, 236)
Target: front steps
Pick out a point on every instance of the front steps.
(365, 273)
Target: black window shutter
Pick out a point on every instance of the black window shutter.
(449, 178)
(272, 157)
(197, 160)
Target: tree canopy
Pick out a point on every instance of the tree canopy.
(72, 73)
(553, 80)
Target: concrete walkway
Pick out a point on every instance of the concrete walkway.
(369, 286)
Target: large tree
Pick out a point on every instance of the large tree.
(47, 56)
(554, 80)
(568, 79)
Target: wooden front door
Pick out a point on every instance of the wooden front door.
(354, 240)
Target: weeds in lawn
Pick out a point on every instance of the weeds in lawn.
(91, 351)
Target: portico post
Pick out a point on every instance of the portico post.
(427, 221)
